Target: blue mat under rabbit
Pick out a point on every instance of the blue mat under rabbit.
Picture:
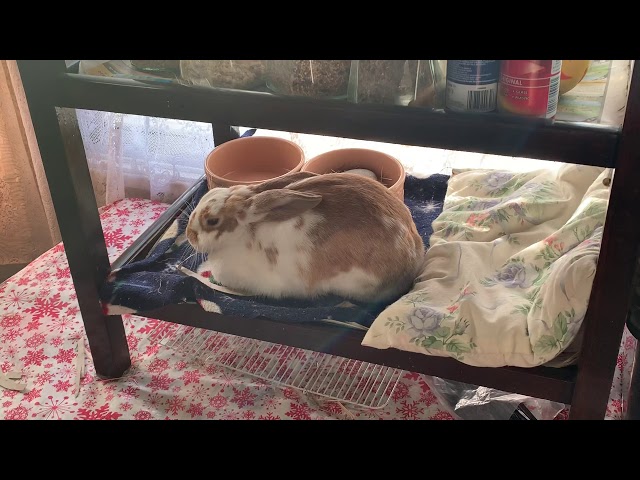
(156, 281)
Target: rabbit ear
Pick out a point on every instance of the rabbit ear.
(281, 204)
(282, 182)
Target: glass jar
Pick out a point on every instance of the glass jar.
(428, 83)
(240, 74)
(419, 83)
(312, 78)
(172, 66)
(376, 81)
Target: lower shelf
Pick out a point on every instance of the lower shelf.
(344, 380)
(554, 384)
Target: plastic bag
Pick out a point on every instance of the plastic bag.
(471, 402)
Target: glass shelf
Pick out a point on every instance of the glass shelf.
(598, 99)
(586, 133)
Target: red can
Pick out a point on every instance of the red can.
(529, 87)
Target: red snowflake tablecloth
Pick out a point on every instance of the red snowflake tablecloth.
(41, 327)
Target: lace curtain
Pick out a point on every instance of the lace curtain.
(128, 156)
(136, 156)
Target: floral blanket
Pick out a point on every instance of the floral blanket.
(509, 271)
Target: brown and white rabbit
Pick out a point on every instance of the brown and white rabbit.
(307, 235)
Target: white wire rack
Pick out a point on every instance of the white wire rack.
(345, 380)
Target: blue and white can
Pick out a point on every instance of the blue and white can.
(472, 85)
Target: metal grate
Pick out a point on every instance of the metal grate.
(345, 380)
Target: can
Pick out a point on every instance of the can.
(472, 85)
(529, 87)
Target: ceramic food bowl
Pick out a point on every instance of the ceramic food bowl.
(388, 170)
(250, 160)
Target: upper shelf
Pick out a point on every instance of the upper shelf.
(586, 142)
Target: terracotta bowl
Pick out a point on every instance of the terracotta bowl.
(388, 169)
(250, 160)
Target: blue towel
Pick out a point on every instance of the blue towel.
(155, 282)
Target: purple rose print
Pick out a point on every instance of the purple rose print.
(520, 192)
(498, 179)
(482, 205)
(512, 276)
(425, 320)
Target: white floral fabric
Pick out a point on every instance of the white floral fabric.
(509, 270)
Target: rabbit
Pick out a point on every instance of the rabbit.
(306, 235)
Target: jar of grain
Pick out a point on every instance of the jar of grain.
(240, 74)
(428, 83)
(376, 81)
(172, 66)
(312, 78)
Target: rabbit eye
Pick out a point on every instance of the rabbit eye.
(212, 222)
